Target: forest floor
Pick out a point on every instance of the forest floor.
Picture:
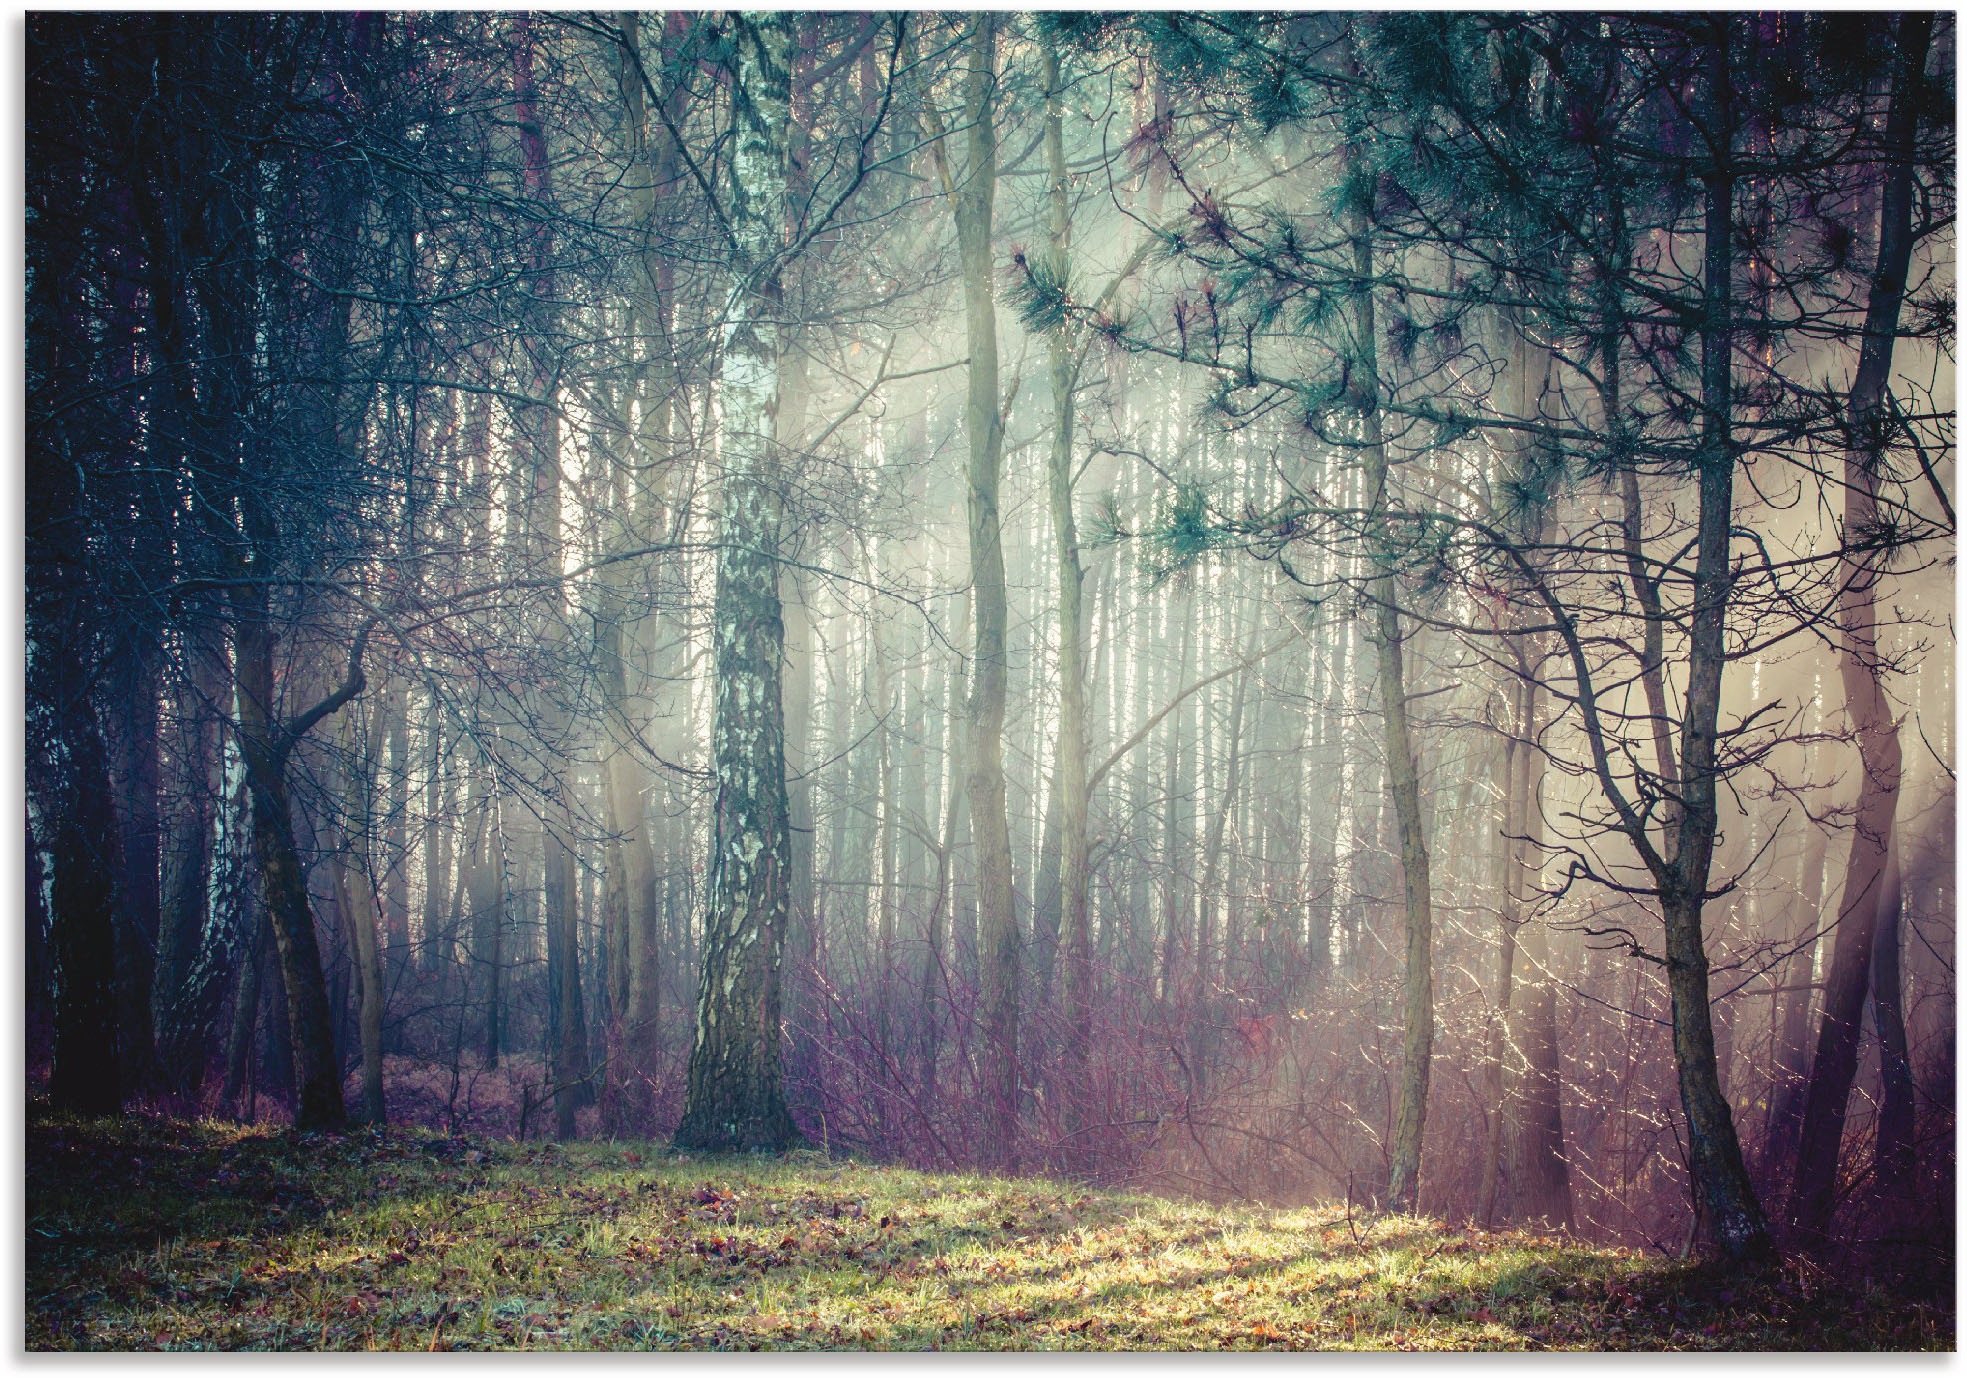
(170, 1234)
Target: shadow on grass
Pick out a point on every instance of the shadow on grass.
(101, 1193)
(1015, 1265)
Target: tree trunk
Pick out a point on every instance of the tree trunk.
(735, 1097)
(440, 804)
(885, 708)
(1539, 1178)
(645, 515)
(637, 984)
(560, 913)
(803, 994)
(486, 891)
(1733, 1218)
(1403, 779)
(245, 1009)
(1048, 898)
(1061, 912)
(932, 981)
(539, 428)
(1494, 1078)
(1894, 1156)
(1791, 1070)
(395, 888)
(804, 1016)
(1176, 773)
(1867, 419)
(998, 956)
(77, 833)
(181, 1009)
(266, 749)
(356, 889)
(136, 657)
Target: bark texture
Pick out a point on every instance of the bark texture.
(735, 1098)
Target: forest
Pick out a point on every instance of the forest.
(1267, 612)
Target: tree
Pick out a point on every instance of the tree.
(971, 186)
(736, 1095)
(1869, 900)
(1063, 357)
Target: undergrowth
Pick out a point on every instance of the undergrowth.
(159, 1234)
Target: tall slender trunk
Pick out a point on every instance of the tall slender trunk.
(881, 671)
(932, 982)
(356, 891)
(70, 799)
(649, 515)
(803, 993)
(735, 1097)
(1494, 1076)
(998, 955)
(1533, 1117)
(1790, 1072)
(266, 748)
(636, 999)
(1208, 957)
(1867, 421)
(1176, 773)
(136, 657)
(76, 830)
(1403, 778)
(629, 883)
(182, 1008)
(1726, 1199)
(439, 808)
(485, 891)
(1539, 1177)
(1896, 1102)
(395, 888)
(253, 962)
(560, 914)
(539, 427)
(1047, 898)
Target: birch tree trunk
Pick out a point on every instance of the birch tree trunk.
(182, 1008)
(735, 1097)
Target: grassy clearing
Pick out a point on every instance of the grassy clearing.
(156, 1234)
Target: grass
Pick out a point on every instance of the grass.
(154, 1234)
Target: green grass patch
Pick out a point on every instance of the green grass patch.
(154, 1234)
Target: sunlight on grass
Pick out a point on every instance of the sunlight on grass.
(253, 1238)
